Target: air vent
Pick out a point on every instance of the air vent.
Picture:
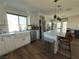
(69, 9)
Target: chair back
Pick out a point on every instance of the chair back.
(69, 35)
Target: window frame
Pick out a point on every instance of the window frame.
(19, 23)
(62, 27)
(59, 27)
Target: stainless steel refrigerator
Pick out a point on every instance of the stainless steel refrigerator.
(42, 25)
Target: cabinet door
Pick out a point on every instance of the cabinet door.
(10, 43)
(2, 46)
(27, 38)
(19, 41)
(2, 16)
(22, 39)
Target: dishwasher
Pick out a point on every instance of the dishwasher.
(33, 35)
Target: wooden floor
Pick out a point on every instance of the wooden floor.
(32, 51)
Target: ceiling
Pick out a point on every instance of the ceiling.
(47, 7)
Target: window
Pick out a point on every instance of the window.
(22, 23)
(12, 22)
(64, 27)
(61, 27)
(58, 27)
(16, 23)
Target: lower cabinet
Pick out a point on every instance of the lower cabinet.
(22, 39)
(27, 38)
(9, 43)
(2, 47)
(19, 42)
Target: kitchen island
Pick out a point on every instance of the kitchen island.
(51, 36)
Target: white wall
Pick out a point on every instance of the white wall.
(73, 22)
(34, 17)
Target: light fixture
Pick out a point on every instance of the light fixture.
(55, 16)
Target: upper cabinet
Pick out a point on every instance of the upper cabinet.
(2, 16)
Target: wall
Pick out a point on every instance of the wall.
(34, 17)
(73, 22)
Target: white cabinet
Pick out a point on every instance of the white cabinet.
(2, 47)
(19, 41)
(2, 16)
(27, 38)
(22, 39)
(10, 43)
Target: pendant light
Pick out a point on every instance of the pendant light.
(55, 16)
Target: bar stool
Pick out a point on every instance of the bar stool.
(64, 44)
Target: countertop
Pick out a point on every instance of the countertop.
(52, 35)
(13, 33)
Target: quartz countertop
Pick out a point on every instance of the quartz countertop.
(53, 33)
(12, 33)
